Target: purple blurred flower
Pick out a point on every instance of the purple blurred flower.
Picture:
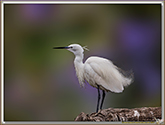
(140, 41)
(37, 13)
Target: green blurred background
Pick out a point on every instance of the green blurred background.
(41, 84)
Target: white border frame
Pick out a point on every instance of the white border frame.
(162, 57)
(74, 2)
(83, 2)
(2, 64)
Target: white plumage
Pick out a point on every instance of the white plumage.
(103, 72)
(99, 72)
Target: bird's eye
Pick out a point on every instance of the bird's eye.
(71, 47)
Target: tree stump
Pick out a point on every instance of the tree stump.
(123, 114)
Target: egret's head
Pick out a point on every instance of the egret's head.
(76, 49)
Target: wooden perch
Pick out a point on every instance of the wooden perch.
(123, 114)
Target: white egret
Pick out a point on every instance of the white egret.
(99, 72)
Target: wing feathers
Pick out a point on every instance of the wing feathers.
(105, 74)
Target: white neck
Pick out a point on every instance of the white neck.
(79, 67)
(79, 58)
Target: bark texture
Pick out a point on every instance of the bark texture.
(123, 114)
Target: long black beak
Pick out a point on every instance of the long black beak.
(61, 47)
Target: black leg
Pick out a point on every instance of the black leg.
(103, 96)
(98, 98)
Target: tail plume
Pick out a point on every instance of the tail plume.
(128, 76)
